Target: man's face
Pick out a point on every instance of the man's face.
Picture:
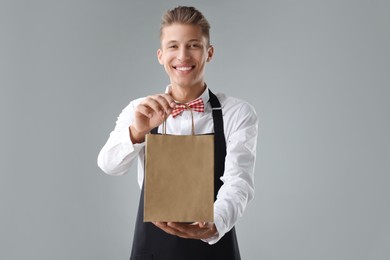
(184, 53)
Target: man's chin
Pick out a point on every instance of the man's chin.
(183, 83)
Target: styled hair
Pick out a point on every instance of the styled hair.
(186, 15)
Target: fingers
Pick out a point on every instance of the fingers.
(144, 110)
(170, 230)
(204, 224)
(159, 104)
(193, 231)
(150, 113)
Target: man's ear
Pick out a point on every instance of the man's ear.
(159, 56)
(210, 53)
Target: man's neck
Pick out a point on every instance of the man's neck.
(185, 94)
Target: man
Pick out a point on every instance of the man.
(185, 50)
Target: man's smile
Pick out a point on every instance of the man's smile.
(183, 67)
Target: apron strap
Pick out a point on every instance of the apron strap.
(217, 113)
(219, 143)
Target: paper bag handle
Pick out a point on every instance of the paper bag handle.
(192, 119)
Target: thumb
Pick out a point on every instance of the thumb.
(205, 224)
(169, 89)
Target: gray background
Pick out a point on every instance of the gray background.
(317, 73)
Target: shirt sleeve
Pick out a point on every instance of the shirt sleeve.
(117, 155)
(238, 179)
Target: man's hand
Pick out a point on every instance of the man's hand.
(197, 230)
(149, 114)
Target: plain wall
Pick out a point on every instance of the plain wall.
(317, 73)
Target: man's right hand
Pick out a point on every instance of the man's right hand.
(150, 114)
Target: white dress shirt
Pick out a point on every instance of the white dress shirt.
(240, 127)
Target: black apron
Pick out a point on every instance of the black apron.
(152, 243)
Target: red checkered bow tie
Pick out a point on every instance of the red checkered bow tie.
(196, 105)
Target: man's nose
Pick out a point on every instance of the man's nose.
(183, 54)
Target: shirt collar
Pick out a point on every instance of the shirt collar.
(205, 95)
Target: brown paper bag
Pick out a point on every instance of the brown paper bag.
(179, 177)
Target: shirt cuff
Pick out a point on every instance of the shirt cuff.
(116, 156)
(221, 231)
(124, 137)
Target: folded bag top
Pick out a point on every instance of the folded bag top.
(179, 177)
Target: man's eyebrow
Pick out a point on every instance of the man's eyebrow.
(172, 41)
(192, 40)
(195, 40)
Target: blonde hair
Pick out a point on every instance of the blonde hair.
(186, 15)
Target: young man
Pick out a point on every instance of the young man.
(185, 50)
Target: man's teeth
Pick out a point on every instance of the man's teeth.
(183, 68)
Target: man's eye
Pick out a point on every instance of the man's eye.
(195, 45)
(172, 46)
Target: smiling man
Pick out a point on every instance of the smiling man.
(185, 50)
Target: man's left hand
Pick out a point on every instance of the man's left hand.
(197, 230)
